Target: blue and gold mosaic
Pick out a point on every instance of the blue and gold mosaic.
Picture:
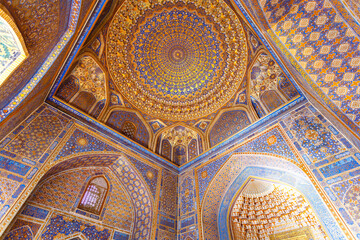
(176, 61)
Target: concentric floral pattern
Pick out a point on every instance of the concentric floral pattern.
(176, 60)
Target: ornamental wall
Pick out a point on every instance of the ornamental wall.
(302, 142)
(45, 165)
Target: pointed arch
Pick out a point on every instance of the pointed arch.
(176, 138)
(237, 169)
(143, 135)
(233, 127)
(129, 177)
(98, 87)
(93, 198)
(158, 134)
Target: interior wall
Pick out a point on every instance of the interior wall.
(48, 143)
(52, 209)
(305, 138)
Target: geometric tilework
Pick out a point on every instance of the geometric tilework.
(35, 212)
(7, 188)
(271, 100)
(241, 98)
(149, 174)
(206, 173)
(61, 192)
(91, 160)
(165, 235)
(192, 235)
(66, 226)
(319, 142)
(265, 75)
(269, 142)
(37, 137)
(139, 194)
(338, 167)
(236, 171)
(354, 6)
(13, 166)
(227, 125)
(21, 233)
(81, 142)
(349, 194)
(129, 129)
(192, 149)
(90, 77)
(120, 236)
(258, 108)
(64, 191)
(119, 211)
(84, 101)
(352, 202)
(117, 119)
(168, 202)
(34, 227)
(286, 87)
(68, 88)
(179, 154)
(187, 197)
(166, 149)
(323, 44)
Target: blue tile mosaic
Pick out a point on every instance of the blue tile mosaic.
(18, 191)
(318, 164)
(167, 222)
(13, 166)
(15, 178)
(35, 212)
(306, 158)
(81, 142)
(28, 161)
(32, 173)
(333, 130)
(339, 167)
(346, 216)
(346, 143)
(187, 222)
(355, 173)
(330, 193)
(120, 236)
(9, 154)
(317, 175)
(149, 174)
(341, 155)
(334, 180)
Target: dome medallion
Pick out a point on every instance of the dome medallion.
(176, 60)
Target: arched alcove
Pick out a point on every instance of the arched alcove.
(235, 173)
(127, 208)
(267, 210)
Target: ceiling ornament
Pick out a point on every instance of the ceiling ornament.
(179, 135)
(91, 77)
(264, 209)
(264, 75)
(176, 60)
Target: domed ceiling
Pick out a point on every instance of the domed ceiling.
(177, 77)
(176, 61)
